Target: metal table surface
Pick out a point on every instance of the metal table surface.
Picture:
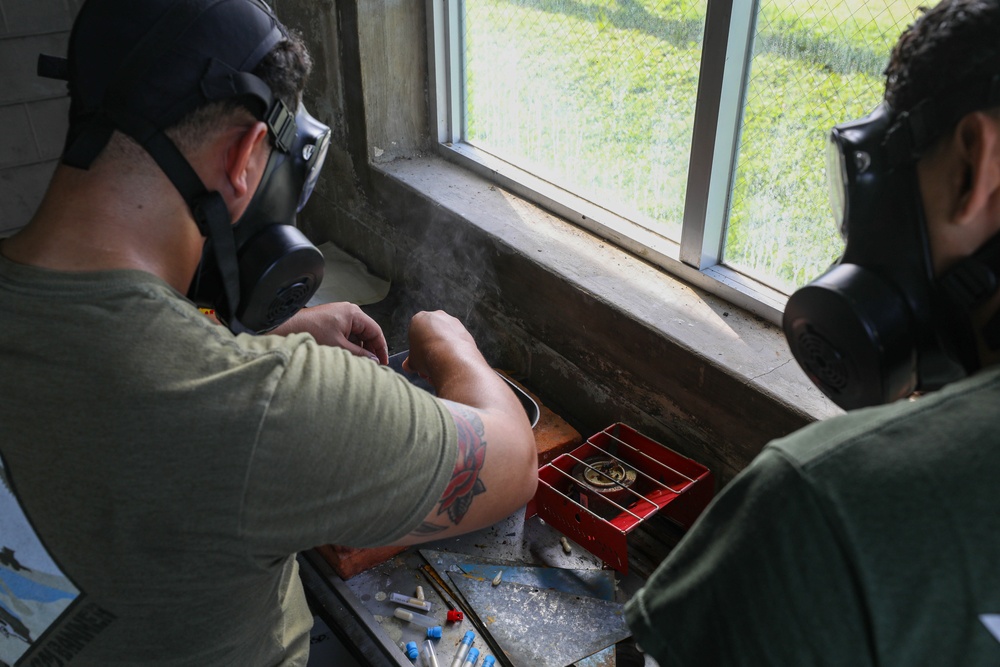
(361, 611)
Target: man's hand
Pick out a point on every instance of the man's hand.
(435, 338)
(340, 325)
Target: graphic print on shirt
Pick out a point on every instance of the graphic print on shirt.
(34, 592)
(992, 623)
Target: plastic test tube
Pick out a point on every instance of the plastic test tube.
(471, 658)
(423, 605)
(414, 617)
(430, 657)
(463, 649)
(488, 661)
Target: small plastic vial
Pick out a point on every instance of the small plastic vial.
(471, 658)
(430, 657)
(463, 649)
(489, 661)
(422, 605)
(414, 617)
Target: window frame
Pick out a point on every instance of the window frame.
(726, 52)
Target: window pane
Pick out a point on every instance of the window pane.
(595, 96)
(815, 63)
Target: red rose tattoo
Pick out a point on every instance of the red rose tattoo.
(465, 483)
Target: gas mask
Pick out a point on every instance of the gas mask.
(279, 269)
(139, 68)
(879, 325)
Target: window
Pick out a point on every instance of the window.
(690, 132)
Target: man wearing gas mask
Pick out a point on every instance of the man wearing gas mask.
(159, 471)
(874, 538)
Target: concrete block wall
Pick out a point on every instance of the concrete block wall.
(32, 109)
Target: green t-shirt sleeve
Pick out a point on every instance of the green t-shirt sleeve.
(348, 453)
(761, 579)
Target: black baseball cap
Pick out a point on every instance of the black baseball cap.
(139, 66)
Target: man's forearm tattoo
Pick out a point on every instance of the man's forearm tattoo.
(465, 482)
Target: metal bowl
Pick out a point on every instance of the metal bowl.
(529, 405)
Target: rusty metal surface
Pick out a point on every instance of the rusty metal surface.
(593, 583)
(588, 582)
(529, 543)
(543, 627)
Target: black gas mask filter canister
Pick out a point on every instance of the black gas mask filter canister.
(879, 325)
(139, 67)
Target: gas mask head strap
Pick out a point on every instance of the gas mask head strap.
(973, 279)
(916, 129)
(218, 82)
(208, 208)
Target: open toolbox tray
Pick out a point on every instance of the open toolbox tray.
(603, 489)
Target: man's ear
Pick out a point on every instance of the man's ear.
(245, 160)
(978, 143)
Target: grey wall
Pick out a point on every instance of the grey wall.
(32, 110)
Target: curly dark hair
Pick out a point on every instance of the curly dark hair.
(285, 69)
(948, 46)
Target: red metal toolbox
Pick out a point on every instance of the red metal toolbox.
(602, 490)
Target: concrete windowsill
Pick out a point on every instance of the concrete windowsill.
(748, 348)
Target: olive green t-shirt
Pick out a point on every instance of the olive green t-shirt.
(868, 539)
(160, 473)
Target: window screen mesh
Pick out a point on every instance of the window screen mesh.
(597, 97)
(815, 63)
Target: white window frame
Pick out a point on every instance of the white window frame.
(726, 52)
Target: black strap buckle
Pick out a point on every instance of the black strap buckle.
(281, 122)
(53, 67)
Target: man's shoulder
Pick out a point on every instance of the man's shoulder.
(944, 426)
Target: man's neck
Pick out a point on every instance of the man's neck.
(100, 221)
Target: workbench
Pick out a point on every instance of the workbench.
(360, 609)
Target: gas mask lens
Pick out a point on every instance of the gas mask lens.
(849, 154)
(836, 180)
(313, 153)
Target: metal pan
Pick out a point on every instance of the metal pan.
(530, 407)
